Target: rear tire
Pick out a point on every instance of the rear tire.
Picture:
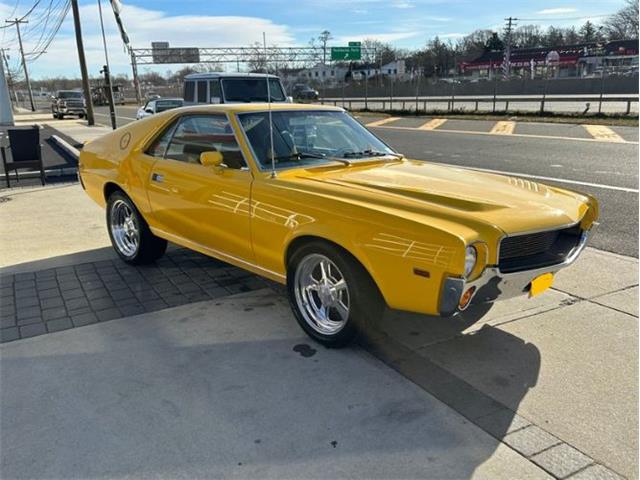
(331, 294)
(129, 232)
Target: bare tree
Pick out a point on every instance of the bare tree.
(624, 23)
(324, 38)
(528, 36)
(257, 61)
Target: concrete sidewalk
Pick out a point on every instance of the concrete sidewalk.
(227, 389)
(554, 378)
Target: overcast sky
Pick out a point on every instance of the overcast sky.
(404, 23)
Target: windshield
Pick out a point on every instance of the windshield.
(162, 105)
(70, 94)
(251, 90)
(304, 138)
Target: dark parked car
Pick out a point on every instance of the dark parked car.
(68, 102)
(304, 92)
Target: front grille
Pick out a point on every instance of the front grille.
(537, 250)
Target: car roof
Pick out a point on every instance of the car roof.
(167, 98)
(198, 76)
(257, 107)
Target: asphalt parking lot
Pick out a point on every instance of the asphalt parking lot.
(146, 369)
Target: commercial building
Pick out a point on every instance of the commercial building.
(580, 60)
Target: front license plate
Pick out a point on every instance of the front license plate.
(540, 284)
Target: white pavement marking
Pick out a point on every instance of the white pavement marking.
(503, 128)
(377, 123)
(551, 179)
(117, 116)
(433, 124)
(603, 133)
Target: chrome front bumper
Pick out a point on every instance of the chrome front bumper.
(494, 285)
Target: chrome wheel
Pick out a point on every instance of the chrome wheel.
(322, 294)
(124, 227)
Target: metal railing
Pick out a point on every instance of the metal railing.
(611, 103)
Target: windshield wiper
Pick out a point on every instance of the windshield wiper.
(303, 155)
(371, 153)
(300, 156)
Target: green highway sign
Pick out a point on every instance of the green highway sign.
(345, 53)
(355, 44)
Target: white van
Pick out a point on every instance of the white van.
(232, 88)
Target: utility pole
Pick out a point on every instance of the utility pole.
(136, 81)
(83, 62)
(17, 23)
(107, 73)
(12, 88)
(506, 64)
(6, 113)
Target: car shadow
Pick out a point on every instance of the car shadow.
(439, 353)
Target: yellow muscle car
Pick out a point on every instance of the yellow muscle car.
(306, 196)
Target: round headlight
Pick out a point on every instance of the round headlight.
(470, 259)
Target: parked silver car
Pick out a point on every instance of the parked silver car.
(158, 105)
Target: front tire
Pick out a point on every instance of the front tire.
(130, 235)
(331, 294)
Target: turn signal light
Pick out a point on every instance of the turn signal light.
(466, 298)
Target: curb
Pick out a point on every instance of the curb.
(66, 147)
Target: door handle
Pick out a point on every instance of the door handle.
(156, 177)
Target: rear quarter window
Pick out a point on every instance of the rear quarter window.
(202, 91)
(189, 91)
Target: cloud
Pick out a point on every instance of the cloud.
(557, 11)
(402, 4)
(143, 26)
(381, 36)
(452, 35)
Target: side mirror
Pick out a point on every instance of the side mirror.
(148, 110)
(289, 99)
(211, 159)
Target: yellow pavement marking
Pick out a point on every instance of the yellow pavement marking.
(523, 135)
(432, 124)
(503, 128)
(600, 132)
(377, 123)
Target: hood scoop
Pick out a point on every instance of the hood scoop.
(445, 198)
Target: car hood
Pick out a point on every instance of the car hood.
(423, 189)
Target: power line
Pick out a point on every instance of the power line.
(40, 49)
(563, 18)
